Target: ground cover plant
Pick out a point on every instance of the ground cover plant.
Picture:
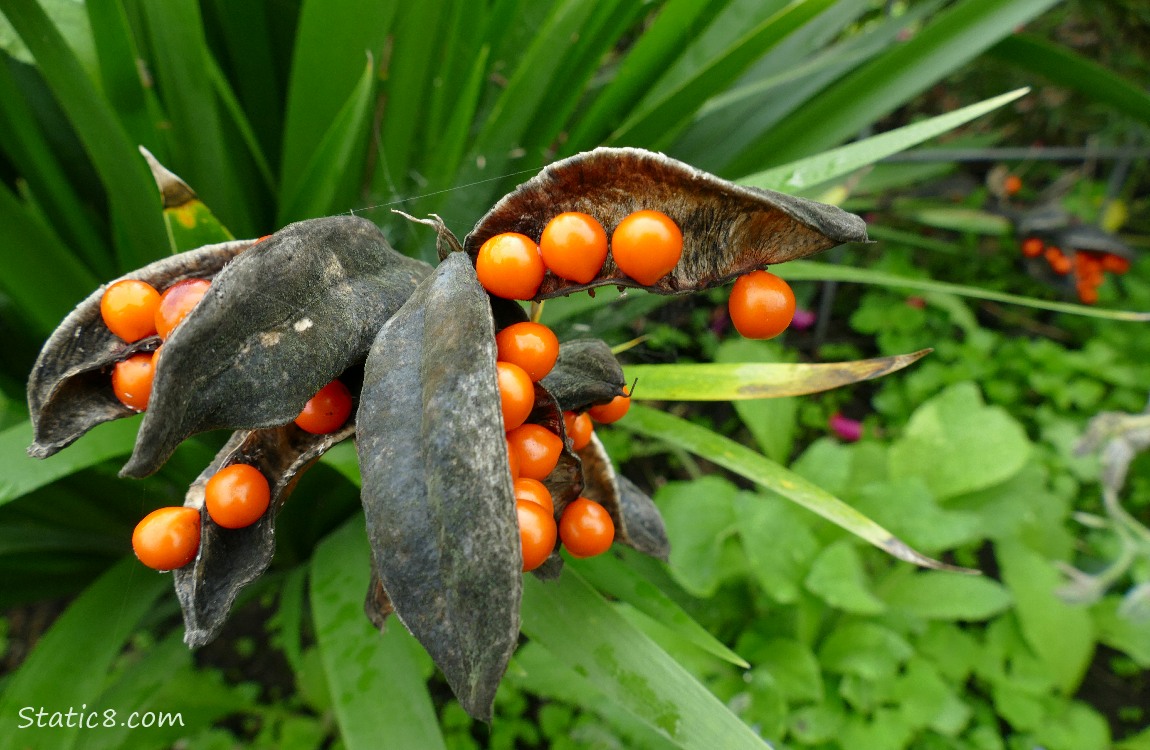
(768, 622)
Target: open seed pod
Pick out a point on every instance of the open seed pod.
(637, 520)
(230, 559)
(70, 387)
(585, 374)
(728, 230)
(276, 325)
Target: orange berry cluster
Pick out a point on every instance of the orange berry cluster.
(1088, 266)
(134, 310)
(646, 245)
(236, 496)
(525, 353)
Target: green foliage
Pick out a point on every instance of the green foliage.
(769, 621)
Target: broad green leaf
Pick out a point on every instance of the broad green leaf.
(771, 420)
(699, 518)
(829, 165)
(938, 595)
(950, 40)
(316, 192)
(924, 700)
(133, 202)
(778, 544)
(1118, 631)
(21, 474)
(907, 507)
(1061, 634)
(745, 462)
(614, 577)
(804, 270)
(728, 382)
(794, 668)
(574, 623)
(91, 633)
(838, 578)
(957, 444)
(1063, 66)
(866, 649)
(380, 697)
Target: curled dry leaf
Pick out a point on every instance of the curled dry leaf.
(230, 559)
(436, 491)
(70, 387)
(637, 520)
(276, 325)
(728, 229)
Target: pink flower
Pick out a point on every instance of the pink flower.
(803, 319)
(847, 429)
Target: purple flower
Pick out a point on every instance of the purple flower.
(847, 429)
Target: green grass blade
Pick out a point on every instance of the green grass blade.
(572, 621)
(766, 473)
(1067, 68)
(135, 204)
(829, 165)
(781, 85)
(660, 44)
(120, 73)
(730, 382)
(317, 193)
(333, 37)
(656, 124)
(619, 580)
(952, 39)
(232, 106)
(183, 73)
(33, 251)
(443, 160)
(805, 270)
(71, 661)
(377, 686)
(21, 474)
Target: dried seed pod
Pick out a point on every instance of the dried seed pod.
(637, 520)
(70, 389)
(436, 491)
(728, 229)
(277, 325)
(230, 559)
(585, 374)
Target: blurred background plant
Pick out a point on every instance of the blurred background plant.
(280, 110)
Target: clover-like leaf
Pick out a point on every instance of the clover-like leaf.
(728, 229)
(637, 520)
(436, 490)
(275, 326)
(230, 559)
(70, 388)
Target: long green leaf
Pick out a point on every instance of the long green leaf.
(377, 687)
(1066, 67)
(120, 74)
(615, 578)
(757, 468)
(71, 661)
(662, 42)
(333, 37)
(656, 124)
(815, 170)
(316, 194)
(21, 474)
(952, 39)
(728, 382)
(805, 270)
(572, 621)
(135, 203)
